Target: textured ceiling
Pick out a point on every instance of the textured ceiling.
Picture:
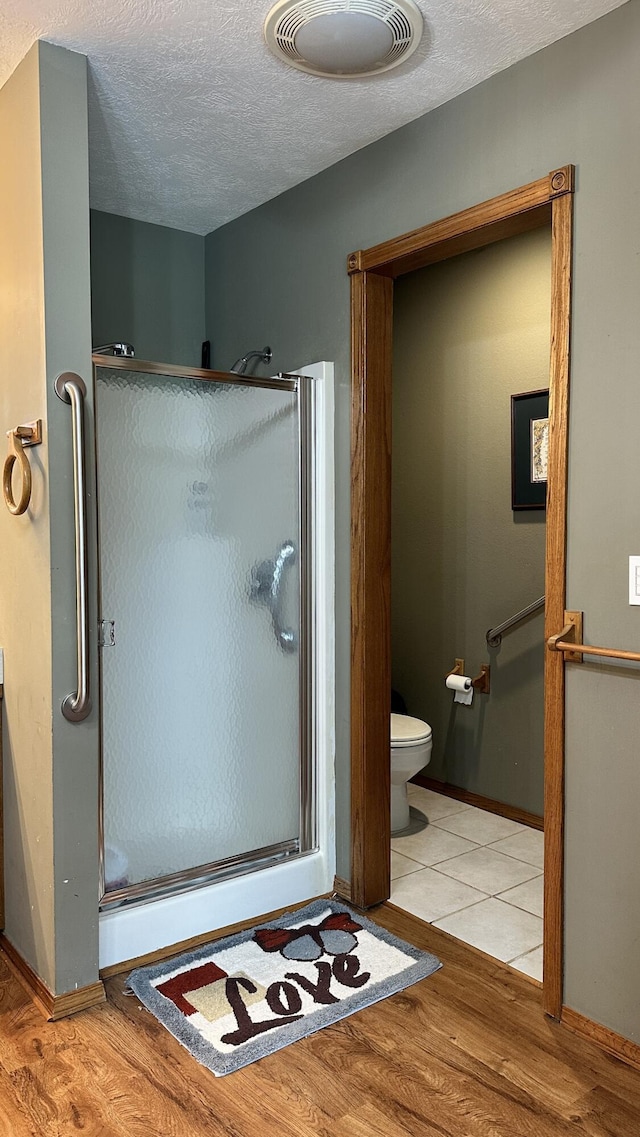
(194, 122)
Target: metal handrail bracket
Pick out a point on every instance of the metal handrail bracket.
(494, 635)
(71, 389)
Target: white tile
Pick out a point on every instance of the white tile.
(431, 845)
(401, 866)
(531, 963)
(480, 826)
(528, 845)
(488, 870)
(494, 927)
(528, 896)
(432, 804)
(430, 895)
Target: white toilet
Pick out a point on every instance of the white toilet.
(411, 741)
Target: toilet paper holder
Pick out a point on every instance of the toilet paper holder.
(481, 683)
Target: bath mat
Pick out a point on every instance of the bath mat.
(246, 996)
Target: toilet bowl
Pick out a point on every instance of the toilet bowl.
(411, 742)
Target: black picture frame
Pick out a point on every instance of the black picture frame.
(527, 490)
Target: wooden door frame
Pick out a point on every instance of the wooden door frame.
(548, 201)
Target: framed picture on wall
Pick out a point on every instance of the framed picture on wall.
(529, 449)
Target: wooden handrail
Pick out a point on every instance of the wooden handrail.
(563, 642)
(553, 641)
(557, 643)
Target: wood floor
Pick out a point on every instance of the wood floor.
(465, 1053)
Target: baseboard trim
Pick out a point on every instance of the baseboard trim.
(488, 803)
(198, 941)
(81, 1000)
(53, 1007)
(342, 888)
(615, 1044)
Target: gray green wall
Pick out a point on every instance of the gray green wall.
(277, 275)
(147, 288)
(469, 333)
(50, 765)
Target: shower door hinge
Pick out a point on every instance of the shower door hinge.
(106, 633)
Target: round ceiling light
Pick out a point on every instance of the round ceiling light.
(343, 39)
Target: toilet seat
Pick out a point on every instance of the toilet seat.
(407, 731)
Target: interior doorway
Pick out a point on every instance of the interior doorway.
(471, 339)
(546, 202)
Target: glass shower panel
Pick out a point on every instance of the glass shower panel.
(198, 504)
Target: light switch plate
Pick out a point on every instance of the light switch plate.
(634, 580)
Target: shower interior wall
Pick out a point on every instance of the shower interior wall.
(147, 288)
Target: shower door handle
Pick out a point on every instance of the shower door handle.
(71, 389)
(266, 588)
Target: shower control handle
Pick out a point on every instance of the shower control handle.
(71, 389)
(266, 588)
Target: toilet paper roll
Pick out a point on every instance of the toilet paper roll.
(461, 684)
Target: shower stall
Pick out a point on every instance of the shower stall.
(209, 501)
(167, 606)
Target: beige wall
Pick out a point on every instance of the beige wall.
(25, 593)
(469, 333)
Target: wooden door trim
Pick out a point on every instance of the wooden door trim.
(372, 330)
(555, 588)
(514, 212)
(548, 200)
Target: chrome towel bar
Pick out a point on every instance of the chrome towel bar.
(71, 389)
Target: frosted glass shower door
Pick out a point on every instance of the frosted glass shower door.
(202, 569)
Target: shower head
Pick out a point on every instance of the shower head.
(124, 349)
(240, 365)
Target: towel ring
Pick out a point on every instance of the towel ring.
(30, 434)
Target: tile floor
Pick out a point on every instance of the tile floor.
(473, 874)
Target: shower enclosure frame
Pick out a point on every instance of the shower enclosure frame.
(307, 842)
